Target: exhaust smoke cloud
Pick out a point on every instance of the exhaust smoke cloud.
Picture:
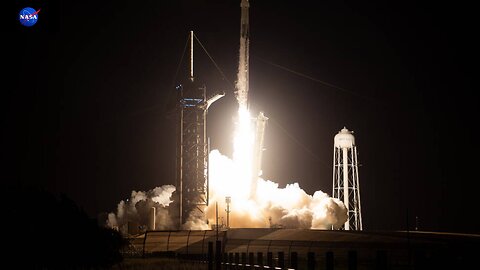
(270, 206)
(138, 207)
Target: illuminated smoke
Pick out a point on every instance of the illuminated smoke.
(289, 207)
(137, 209)
(269, 206)
(195, 222)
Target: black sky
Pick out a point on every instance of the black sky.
(85, 113)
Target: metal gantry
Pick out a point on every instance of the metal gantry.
(192, 150)
(192, 146)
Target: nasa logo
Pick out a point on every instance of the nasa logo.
(28, 16)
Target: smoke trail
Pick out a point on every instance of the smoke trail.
(241, 92)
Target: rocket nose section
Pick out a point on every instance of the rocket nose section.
(245, 4)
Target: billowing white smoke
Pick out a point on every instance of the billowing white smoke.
(195, 222)
(289, 207)
(272, 206)
(137, 209)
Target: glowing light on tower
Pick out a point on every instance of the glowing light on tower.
(345, 178)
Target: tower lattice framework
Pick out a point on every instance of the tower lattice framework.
(192, 148)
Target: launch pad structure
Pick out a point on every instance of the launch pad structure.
(192, 145)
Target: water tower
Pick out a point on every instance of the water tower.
(345, 178)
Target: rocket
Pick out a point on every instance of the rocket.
(242, 82)
(244, 19)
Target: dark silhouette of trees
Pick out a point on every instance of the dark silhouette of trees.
(46, 231)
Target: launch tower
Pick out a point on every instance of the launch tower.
(192, 145)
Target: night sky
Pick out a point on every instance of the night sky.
(86, 102)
